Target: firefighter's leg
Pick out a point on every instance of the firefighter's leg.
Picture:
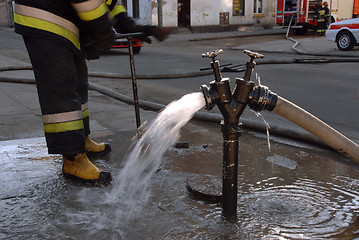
(321, 28)
(55, 69)
(92, 148)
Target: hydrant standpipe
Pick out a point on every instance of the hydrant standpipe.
(232, 104)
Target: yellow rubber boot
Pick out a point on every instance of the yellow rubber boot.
(96, 149)
(81, 167)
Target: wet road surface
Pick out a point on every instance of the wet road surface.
(295, 190)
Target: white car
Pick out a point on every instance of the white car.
(345, 33)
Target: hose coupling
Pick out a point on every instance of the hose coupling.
(210, 96)
(261, 97)
(219, 93)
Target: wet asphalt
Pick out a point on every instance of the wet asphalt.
(316, 188)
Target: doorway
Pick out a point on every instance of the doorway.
(184, 14)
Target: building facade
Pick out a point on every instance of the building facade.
(193, 14)
(202, 13)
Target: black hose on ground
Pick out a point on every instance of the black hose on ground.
(190, 74)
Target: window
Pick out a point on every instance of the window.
(291, 5)
(238, 7)
(135, 9)
(258, 6)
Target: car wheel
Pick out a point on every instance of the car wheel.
(345, 41)
(136, 50)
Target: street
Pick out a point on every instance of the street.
(172, 69)
(327, 90)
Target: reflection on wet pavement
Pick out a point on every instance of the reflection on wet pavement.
(292, 192)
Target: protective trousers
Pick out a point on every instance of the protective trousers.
(321, 22)
(62, 87)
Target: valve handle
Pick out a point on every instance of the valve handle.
(251, 63)
(253, 55)
(215, 63)
(212, 54)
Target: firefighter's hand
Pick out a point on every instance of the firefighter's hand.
(105, 40)
(90, 52)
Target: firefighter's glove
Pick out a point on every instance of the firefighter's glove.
(91, 46)
(88, 47)
(98, 32)
(90, 52)
(104, 41)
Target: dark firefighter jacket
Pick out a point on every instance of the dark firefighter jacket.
(71, 22)
(321, 14)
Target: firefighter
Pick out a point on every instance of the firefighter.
(320, 16)
(59, 36)
(326, 16)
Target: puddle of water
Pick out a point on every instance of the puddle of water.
(305, 209)
(282, 161)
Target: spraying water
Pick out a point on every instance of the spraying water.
(130, 190)
(267, 129)
(146, 156)
(258, 78)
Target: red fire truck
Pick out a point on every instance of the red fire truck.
(302, 12)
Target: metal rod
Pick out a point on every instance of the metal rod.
(230, 172)
(159, 13)
(134, 84)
